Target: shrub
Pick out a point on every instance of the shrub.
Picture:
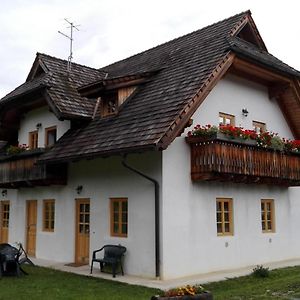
(11, 150)
(260, 271)
(277, 143)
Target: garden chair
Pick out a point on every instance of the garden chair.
(112, 257)
(9, 260)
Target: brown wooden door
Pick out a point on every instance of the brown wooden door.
(82, 243)
(4, 219)
(31, 227)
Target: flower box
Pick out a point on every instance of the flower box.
(220, 137)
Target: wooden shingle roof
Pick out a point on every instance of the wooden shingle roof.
(61, 86)
(186, 70)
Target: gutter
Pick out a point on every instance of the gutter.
(157, 221)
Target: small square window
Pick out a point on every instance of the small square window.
(226, 119)
(259, 127)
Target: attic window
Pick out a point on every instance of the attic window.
(113, 99)
(109, 104)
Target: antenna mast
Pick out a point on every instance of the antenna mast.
(70, 37)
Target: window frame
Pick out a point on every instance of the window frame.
(5, 214)
(48, 221)
(225, 116)
(33, 139)
(104, 103)
(261, 125)
(264, 211)
(47, 131)
(119, 221)
(230, 212)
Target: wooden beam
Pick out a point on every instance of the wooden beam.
(276, 90)
(250, 70)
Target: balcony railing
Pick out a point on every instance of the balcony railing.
(22, 170)
(237, 162)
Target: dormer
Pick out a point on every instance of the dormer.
(113, 92)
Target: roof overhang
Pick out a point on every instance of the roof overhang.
(284, 88)
(93, 89)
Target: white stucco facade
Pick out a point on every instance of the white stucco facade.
(101, 179)
(188, 234)
(46, 119)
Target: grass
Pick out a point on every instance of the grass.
(281, 284)
(49, 284)
(43, 283)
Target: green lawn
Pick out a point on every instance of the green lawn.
(43, 283)
(48, 284)
(281, 284)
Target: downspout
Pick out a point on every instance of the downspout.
(156, 195)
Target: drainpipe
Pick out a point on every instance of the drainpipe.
(157, 236)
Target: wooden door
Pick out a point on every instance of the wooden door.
(31, 227)
(82, 243)
(4, 219)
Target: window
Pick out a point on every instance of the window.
(50, 136)
(259, 127)
(267, 215)
(48, 215)
(224, 217)
(33, 139)
(226, 119)
(119, 217)
(4, 214)
(109, 104)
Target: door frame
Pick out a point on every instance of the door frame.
(77, 203)
(27, 224)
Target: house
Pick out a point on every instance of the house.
(109, 163)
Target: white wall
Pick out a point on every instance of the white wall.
(47, 119)
(189, 233)
(101, 179)
(231, 95)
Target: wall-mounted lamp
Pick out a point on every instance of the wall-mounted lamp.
(79, 189)
(4, 193)
(38, 126)
(245, 112)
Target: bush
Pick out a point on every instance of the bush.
(11, 150)
(260, 271)
(277, 143)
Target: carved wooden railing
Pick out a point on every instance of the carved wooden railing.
(22, 170)
(238, 162)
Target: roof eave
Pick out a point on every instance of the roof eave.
(102, 154)
(280, 70)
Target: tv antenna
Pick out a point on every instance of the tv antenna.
(70, 37)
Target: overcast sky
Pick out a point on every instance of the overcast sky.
(114, 29)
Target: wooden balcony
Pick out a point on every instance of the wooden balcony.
(22, 170)
(237, 162)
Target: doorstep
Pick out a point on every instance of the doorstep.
(162, 284)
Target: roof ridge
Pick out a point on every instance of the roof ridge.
(64, 60)
(177, 38)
